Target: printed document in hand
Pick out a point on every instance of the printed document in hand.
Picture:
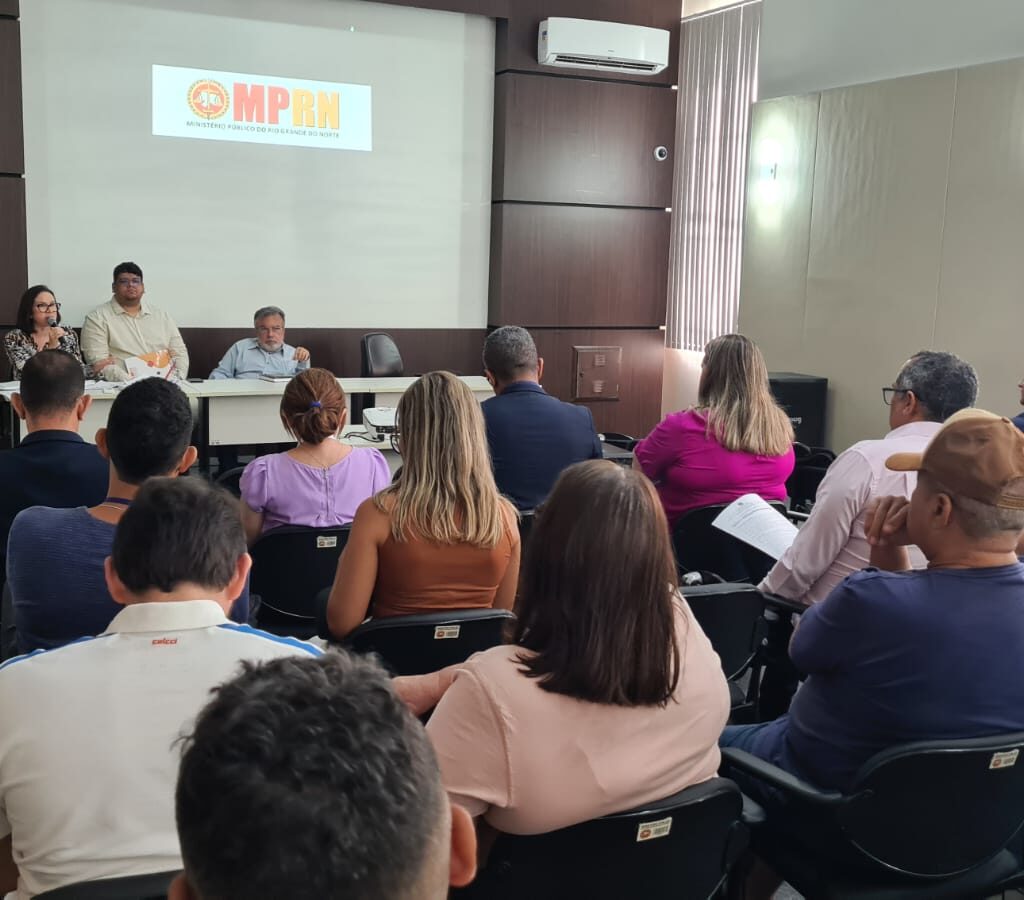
(150, 365)
(756, 523)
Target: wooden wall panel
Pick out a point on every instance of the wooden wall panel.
(573, 265)
(638, 409)
(12, 141)
(13, 249)
(9, 8)
(337, 349)
(575, 140)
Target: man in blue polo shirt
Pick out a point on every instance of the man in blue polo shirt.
(532, 435)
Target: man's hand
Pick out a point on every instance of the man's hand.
(886, 522)
(301, 354)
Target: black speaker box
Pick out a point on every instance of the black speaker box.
(804, 398)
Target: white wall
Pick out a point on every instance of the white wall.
(398, 237)
(811, 45)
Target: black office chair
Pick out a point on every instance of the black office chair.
(414, 645)
(290, 566)
(925, 820)
(132, 887)
(680, 848)
(379, 358)
(526, 517)
(617, 439)
(732, 616)
(231, 480)
(699, 546)
(811, 465)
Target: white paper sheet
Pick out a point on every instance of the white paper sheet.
(753, 521)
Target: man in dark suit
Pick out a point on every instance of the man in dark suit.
(532, 435)
(52, 466)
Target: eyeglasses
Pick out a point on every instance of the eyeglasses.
(889, 392)
(129, 282)
(47, 307)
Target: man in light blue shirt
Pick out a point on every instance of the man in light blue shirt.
(264, 354)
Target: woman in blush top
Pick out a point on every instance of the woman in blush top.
(737, 440)
(609, 695)
(321, 482)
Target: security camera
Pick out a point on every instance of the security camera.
(661, 153)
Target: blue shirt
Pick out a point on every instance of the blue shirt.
(533, 437)
(246, 359)
(49, 468)
(55, 573)
(1018, 420)
(896, 657)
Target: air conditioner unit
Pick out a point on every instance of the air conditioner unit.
(608, 46)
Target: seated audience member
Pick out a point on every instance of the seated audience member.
(737, 440)
(87, 751)
(1018, 419)
(264, 354)
(34, 333)
(55, 556)
(610, 695)
(52, 466)
(936, 654)
(322, 481)
(307, 779)
(532, 436)
(439, 537)
(831, 544)
(123, 327)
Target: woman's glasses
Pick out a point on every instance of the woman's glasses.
(47, 307)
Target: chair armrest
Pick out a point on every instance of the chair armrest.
(777, 778)
(753, 812)
(797, 517)
(782, 604)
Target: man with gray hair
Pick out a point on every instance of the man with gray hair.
(532, 435)
(266, 353)
(831, 545)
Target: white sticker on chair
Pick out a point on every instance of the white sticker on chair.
(446, 632)
(1004, 760)
(648, 831)
(324, 541)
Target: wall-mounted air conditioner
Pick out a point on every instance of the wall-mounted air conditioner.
(609, 46)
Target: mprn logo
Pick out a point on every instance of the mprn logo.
(208, 99)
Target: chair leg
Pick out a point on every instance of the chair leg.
(781, 678)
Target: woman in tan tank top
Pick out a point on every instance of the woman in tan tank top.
(441, 536)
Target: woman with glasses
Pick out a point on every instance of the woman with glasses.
(34, 332)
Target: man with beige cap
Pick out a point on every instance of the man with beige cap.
(929, 654)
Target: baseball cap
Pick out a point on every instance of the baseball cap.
(975, 454)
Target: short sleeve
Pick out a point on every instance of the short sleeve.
(832, 631)
(380, 474)
(471, 746)
(254, 484)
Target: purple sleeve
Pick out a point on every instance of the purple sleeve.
(253, 485)
(660, 449)
(380, 476)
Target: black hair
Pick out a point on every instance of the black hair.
(148, 429)
(308, 778)
(51, 382)
(127, 268)
(178, 531)
(26, 305)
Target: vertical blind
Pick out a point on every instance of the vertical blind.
(717, 85)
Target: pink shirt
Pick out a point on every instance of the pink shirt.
(691, 469)
(531, 761)
(831, 543)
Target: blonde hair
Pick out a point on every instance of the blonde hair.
(737, 402)
(445, 492)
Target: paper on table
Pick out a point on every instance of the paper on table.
(149, 365)
(753, 521)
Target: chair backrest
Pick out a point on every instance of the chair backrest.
(679, 848)
(133, 887)
(938, 808)
(380, 356)
(699, 546)
(617, 439)
(231, 480)
(729, 615)
(526, 517)
(290, 565)
(414, 645)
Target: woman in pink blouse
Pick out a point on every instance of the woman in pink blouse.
(737, 440)
(610, 694)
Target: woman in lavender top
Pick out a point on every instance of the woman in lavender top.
(322, 481)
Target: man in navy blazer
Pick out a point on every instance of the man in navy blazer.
(52, 466)
(532, 435)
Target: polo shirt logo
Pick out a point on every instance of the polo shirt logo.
(159, 641)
